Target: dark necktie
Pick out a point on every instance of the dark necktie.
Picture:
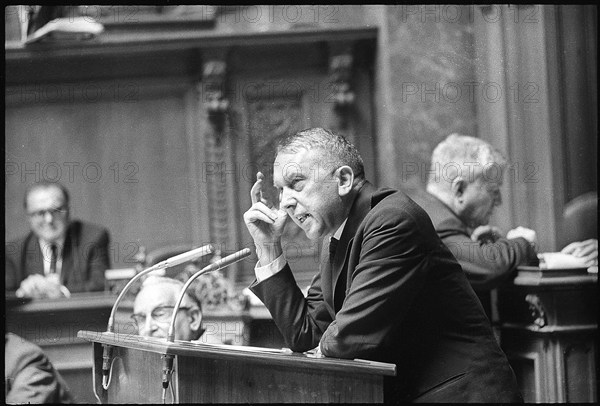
(332, 247)
(52, 258)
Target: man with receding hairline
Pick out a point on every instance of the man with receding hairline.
(57, 253)
(387, 288)
(154, 305)
(463, 191)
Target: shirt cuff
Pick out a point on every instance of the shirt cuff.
(266, 271)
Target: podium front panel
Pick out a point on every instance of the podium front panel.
(230, 374)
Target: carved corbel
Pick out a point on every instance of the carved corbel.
(341, 60)
(212, 89)
(537, 310)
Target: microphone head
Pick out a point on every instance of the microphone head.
(230, 259)
(188, 256)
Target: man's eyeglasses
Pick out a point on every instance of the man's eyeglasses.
(160, 314)
(40, 214)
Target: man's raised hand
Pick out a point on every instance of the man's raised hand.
(265, 224)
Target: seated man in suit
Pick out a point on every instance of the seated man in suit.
(153, 310)
(387, 288)
(462, 192)
(58, 256)
(29, 376)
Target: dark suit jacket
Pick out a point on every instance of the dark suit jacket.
(395, 294)
(29, 376)
(85, 258)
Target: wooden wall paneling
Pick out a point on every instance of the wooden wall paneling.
(271, 96)
(195, 123)
(129, 160)
(354, 119)
(365, 133)
(268, 117)
(155, 134)
(267, 103)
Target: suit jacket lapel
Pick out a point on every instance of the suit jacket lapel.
(33, 260)
(360, 208)
(69, 254)
(326, 277)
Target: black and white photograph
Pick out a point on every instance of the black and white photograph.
(366, 203)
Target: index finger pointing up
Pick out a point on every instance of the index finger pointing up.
(256, 191)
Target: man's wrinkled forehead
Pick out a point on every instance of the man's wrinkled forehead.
(157, 294)
(303, 164)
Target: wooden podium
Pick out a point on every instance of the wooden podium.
(204, 373)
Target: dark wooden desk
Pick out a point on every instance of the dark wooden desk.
(229, 374)
(549, 329)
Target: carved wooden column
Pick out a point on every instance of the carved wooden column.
(219, 165)
(341, 60)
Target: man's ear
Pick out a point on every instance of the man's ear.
(196, 319)
(345, 177)
(458, 187)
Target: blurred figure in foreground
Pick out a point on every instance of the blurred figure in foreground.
(29, 377)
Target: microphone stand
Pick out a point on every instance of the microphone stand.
(176, 260)
(167, 370)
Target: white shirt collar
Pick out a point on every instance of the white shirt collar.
(340, 230)
(45, 246)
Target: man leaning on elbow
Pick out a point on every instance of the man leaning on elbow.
(390, 290)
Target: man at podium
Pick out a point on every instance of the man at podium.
(387, 289)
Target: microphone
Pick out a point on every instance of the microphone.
(185, 257)
(170, 262)
(222, 263)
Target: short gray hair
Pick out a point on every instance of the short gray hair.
(164, 280)
(337, 150)
(465, 156)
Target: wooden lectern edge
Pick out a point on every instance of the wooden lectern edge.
(263, 355)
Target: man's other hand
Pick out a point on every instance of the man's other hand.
(527, 233)
(486, 234)
(42, 287)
